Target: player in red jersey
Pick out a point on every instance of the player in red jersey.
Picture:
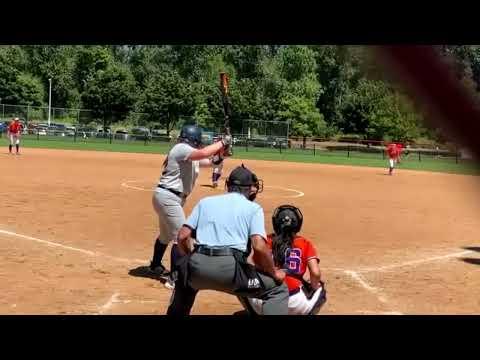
(295, 255)
(392, 152)
(14, 130)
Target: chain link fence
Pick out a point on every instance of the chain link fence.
(81, 125)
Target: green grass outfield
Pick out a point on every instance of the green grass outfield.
(427, 163)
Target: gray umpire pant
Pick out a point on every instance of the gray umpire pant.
(217, 273)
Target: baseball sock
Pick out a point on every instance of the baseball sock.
(17, 146)
(174, 255)
(158, 251)
(10, 148)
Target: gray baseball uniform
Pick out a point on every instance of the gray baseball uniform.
(176, 183)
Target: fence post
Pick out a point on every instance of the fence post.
(348, 151)
(313, 149)
(246, 144)
(75, 136)
(280, 147)
(419, 156)
(456, 155)
(38, 135)
(110, 137)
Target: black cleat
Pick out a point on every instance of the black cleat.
(157, 273)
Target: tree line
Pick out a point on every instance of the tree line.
(321, 90)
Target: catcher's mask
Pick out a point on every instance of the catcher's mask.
(243, 178)
(287, 218)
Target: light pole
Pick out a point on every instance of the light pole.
(49, 100)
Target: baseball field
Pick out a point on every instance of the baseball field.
(74, 223)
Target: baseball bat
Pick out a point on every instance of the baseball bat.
(227, 108)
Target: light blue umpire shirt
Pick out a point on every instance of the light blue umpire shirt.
(226, 220)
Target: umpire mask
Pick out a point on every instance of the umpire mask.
(244, 180)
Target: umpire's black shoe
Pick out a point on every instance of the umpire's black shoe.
(157, 272)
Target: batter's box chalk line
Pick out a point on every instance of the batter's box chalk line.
(414, 263)
(128, 185)
(72, 248)
(115, 299)
(370, 288)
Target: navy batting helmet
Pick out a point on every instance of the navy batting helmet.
(287, 218)
(192, 135)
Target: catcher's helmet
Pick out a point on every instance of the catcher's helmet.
(192, 135)
(287, 218)
(243, 177)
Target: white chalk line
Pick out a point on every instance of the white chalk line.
(127, 184)
(299, 193)
(370, 312)
(72, 248)
(115, 299)
(357, 277)
(416, 262)
(99, 254)
(105, 307)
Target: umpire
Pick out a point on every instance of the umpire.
(225, 228)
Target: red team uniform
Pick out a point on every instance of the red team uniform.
(393, 152)
(14, 130)
(295, 266)
(296, 261)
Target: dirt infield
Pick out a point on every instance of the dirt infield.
(73, 223)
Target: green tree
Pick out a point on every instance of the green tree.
(305, 118)
(166, 97)
(29, 90)
(58, 63)
(376, 110)
(110, 93)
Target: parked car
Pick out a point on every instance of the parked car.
(279, 142)
(259, 141)
(41, 129)
(3, 126)
(121, 135)
(103, 133)
(140, 133)
(70, 131)
(86, 132)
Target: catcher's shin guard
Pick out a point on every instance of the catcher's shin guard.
(322, 299)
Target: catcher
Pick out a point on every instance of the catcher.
(294, 254)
